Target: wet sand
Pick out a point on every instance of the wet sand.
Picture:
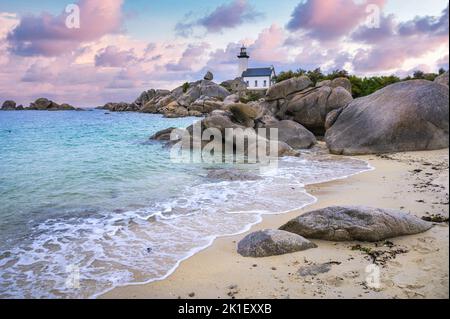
(410, 267)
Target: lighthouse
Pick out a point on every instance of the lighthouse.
(243, 61)
(254, 78)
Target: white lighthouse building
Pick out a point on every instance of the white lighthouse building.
(255, 78)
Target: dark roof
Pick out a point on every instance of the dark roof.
(257, 72)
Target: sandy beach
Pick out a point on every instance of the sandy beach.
(410, 267)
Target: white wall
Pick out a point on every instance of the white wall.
(243, 66)
(260, 79)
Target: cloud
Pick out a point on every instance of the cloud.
(191, 56)
(330, 19)
(47, 35)
(369, 35)
(269, 45)
(112, 56)
(391, 45)
(426, 25)
(226, 16)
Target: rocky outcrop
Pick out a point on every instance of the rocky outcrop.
(311, 107)
(158, 99)
(43, 104)
(293, 134)
(350, 223)
(406, 116)
(119, 107)
(269, 242)
(189, 99)
(442, 79)
(9, 106)
(295, 99)
(244, 139)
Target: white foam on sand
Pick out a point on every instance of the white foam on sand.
(146, 245)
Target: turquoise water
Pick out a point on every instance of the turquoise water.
(86, 195)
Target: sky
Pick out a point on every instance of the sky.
(123, 47)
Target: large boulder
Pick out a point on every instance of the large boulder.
(270, 242)
(406, 116)
(292, 133)
(311, 107)
(350, 223)
(442, 79)
(288, 87)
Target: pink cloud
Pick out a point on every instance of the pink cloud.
(112, 56)
(269, 45)
(329, 19)
(394, 43)
(226, 16)
(191, 56)
(48, 35)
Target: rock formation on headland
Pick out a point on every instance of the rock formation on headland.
(41, 104)
(406, 116)
(190, 99)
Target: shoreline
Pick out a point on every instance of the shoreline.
(217, 271)
(245, 230)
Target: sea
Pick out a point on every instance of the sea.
(89, 203)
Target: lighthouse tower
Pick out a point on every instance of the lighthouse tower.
(243, 61)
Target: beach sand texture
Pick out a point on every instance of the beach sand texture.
(410, 267)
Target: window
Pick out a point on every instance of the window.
(265, 83)
(256, 83)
